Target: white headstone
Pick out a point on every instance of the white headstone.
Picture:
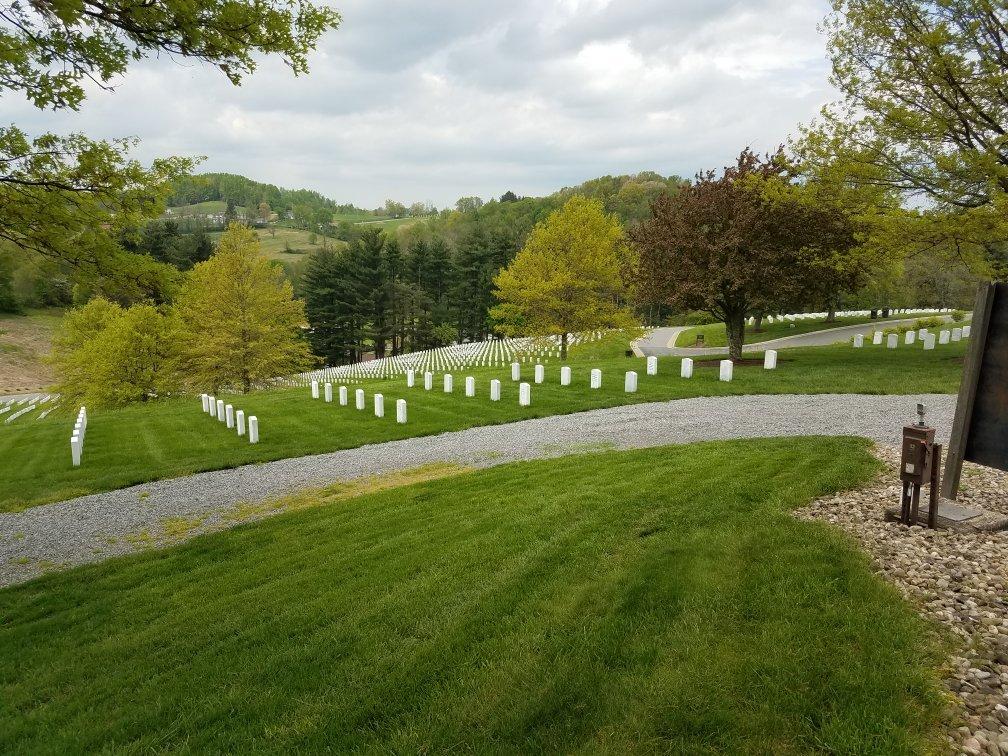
(630, 382)
(220, 410)
(448, 383)
(540, 373)
(253, 429)
(379, 405)
(727, 368)
(652, 365)
(596, 378)
(314, 389)
(892, 341)
(957, 334)
(410, 378)
(328, 392)
(910, 337)
(943, 336)
(240, 422)
(515, 371)
(929, 341)
(206, 402)
(470, 384)
(75, 450)
(565, 376)
(229, 416)
(359, 394)
(213, 405)
(921, 333)
(858, 340)
(524, 394)
(686, 368)
(400, 411)
(343, 396)
(770, 359)
(966, 331)
(428, 380)
(877, 338)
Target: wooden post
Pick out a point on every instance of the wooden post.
(967, 391)
(935, 480)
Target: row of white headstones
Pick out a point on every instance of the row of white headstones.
(77, 438)
(926, 337)
(359, 400)
(524, 389)
(234, 419)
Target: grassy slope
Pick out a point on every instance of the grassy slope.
(287, 243)
(24, 342)
(714, 333)
(173, 437)
(538, 607)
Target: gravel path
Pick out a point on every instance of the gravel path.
(93, 528)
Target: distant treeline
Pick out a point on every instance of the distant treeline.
(244, 192)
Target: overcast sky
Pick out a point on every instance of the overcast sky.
(437, 99)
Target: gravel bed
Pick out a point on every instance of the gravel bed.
(959, 579)
(94, 528)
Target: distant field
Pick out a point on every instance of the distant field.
(24, 341)
(390, 223)
(204, 208)
(289, 244)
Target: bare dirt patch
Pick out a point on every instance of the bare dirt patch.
(25, 340)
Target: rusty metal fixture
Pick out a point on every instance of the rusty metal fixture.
(920, 463)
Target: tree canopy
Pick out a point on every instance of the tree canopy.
(569, 276)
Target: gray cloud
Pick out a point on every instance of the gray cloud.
(437, 100)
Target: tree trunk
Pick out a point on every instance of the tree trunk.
(735, 328)
(563, 346)
(874, 314)
(885, 312)
(831, 313)
(758, 321)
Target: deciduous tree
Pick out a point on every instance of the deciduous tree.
(569, 276)
(239, 323)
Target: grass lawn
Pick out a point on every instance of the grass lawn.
(172, 437)
(670, 604)
(291, 244)
(714, 334)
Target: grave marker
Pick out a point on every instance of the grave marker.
(428, 380)
(596, 378)
(515, 371)
(652, 365)
(379, 405)
(877, 338)
(892, 341)
(253, 429)
(495, 390)
(524, 394)
(540, 373)
(727, 368)
(400, 411)
(957, 334)
(565, 375)
(630, 382)
(359, 394)
(858, 340)
(686, 368)
(448, 382)
(240, 422)
(75, 450)
(213, 406)
(910, 337)
(770, 359)
(229, 416)
(206, 402)
(220, 410)
(943, 337)
(343, 396)
(328, 392)
(410, 378)
(314, 389)
(929, 341)
(470, 386)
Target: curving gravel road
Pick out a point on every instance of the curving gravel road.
(96, 527)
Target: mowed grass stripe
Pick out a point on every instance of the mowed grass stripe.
(172, 437)
(628, 601)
